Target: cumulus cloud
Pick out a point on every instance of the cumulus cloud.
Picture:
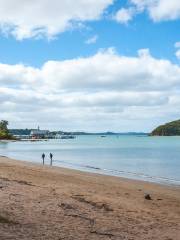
(125, 15)
(91, 93)
(108, 70)
(25, 19)
(158, 10)
(18, 75)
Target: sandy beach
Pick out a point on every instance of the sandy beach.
(41, 202)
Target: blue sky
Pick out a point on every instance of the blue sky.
(45, 50)
(126, 38)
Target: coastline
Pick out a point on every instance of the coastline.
(106, 172)
(130, 157)
(42, 202)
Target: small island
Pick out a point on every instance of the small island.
(168, 129)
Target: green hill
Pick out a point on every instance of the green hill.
(168, 129)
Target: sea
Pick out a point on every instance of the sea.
(154, 159)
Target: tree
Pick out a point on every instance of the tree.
(4, 132)
(4, 126)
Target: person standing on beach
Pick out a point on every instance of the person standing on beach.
(43, 157)
(51, 157)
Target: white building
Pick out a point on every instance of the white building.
(37, 133)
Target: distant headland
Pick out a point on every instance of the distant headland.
(168, 129)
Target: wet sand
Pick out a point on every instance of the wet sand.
(42, 202)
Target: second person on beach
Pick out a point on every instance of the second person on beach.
(51, 158)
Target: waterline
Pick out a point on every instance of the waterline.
(155, 159)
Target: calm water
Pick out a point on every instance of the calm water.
(139, 157)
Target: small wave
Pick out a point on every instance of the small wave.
(120, 173)
(144, 176)
(97, 168)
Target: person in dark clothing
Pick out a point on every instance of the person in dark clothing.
(51, 157)
(43, 157)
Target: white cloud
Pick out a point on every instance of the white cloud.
(26, 19)
(178, 54)
(158, 10)
(108, 70)
(92, 40)
(124, 15)
(177, 45)
(93, 93)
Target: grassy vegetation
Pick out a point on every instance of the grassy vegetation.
(4, 136)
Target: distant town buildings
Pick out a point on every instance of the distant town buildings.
(39, 134)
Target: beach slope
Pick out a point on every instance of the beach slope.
(39, 202)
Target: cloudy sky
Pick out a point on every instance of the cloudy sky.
(94, 65)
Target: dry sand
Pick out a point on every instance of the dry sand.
(40, 202)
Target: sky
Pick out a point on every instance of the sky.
(89, 65)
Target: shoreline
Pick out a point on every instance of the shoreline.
(41, 202)
(109, 172)
(83, 172)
